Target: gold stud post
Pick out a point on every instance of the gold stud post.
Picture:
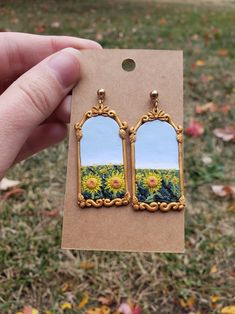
(101, 95)
(154, 98)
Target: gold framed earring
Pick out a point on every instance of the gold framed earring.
(101, 157)
(157, 161)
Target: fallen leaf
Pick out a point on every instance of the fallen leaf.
(65, 287)
(51, 213)
(94, 310)
(99, 36)
(84, 301)
(65, 306)
(231, 207)
(225, 108)
(125, 308)
(55, 24)
(213, 269)
(48, 312)
(227, 134)
(228, 310)
(200, 63)
(136, 310)
(30, 310)
(222, 53)
(210, 106)
(162, 21)
(6, 184)
(105, 300)
(183, 304)
(206, 160)
(223, 190)
(214, 298)
(105, 310)
(39, 29)
(191, 302)
(86, 265)
(206, 78)
(195, 128)
(12, 192)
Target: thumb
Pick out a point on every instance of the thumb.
(32, 98)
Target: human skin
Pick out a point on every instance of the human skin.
(37, 74)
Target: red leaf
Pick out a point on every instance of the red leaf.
(39, 29)
(195, 128)
(136, 310)
(225, 108)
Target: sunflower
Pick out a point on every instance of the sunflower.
(115, 182)
(91, 183)
(152, 181)
(174, 180)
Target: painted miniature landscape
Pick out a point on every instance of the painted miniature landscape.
(103, 181)
(161, 185)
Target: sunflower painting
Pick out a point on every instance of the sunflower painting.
(157, 176)
(102, 167)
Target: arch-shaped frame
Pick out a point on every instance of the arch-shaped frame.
(157, 114)
(101, 110)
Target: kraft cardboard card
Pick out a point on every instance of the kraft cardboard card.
(124, 187)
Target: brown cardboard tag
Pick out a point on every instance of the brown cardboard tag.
(122, 228)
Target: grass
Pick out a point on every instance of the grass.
(33, 268)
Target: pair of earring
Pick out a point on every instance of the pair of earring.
(156, 159)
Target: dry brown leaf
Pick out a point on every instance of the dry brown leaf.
(213, 269)
(12, 192)
(227, 134)
(214, 298)
(225, 108)
(200, 63)
(86, 265)
(223, 53)
(84, 301)
(223, 190)
(51, 213)
(210, 106)
(94, 310)
(106, 300)
(163, 21)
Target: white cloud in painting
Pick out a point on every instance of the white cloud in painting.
(101, 143)
(156, 146)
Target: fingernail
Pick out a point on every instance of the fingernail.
(65, 65)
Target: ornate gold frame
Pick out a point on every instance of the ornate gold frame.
(101, 110)
(157, 114)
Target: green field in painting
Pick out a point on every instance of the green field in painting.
(103, 181)
(161, 185)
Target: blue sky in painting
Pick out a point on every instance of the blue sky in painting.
(156, 146)
(101, 143)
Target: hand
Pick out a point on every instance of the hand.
(36, 75)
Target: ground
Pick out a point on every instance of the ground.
(33, 269)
